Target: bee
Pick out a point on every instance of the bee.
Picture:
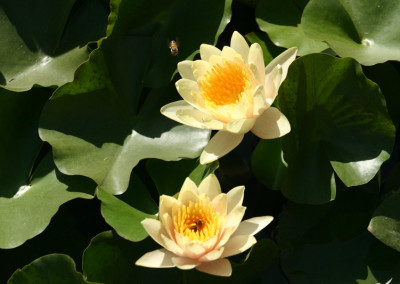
(173, 46)
(196, 226)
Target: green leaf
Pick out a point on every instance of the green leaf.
(179, 20)
(46, 41)
(102, 124)
(365, 30)
(281, 21)
(52, 268)
(111, 259)
(339, 125)
(20, 143)
(202, 171)
(385, 224)
(122, 217)
(29, 212)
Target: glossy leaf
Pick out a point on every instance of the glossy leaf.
(364, 30)
(52, 268)
(101, 125)
(122, 217)
(20, 143)
(47, 40)
(29, 212)
(339, 125)
(281, 21)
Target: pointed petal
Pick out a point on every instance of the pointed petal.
(283, 60)
(260, 103)
(271, 124)
(187, 194)
(212, 255)
(188, 89)
(239, 44)
(193, 249)
(220, 204)
(234, 218)
(240, 125)
(166, 204)
(154, 229)
(189, 184)
(198, 119)
(238, 244)
(221, 144)
(170, 110)
(185, 69)
(200, 68)
(219, 267)
(272, 85)
(230, 54)
(185, 262)
(156, 259)
(235, 198)
(253, 226)
(256, 62)
(171, 245)
(168, 225)
(210, 186)
(206, 51)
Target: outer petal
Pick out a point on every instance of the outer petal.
(199, 119)
(234, 218)
(220, 204)
(156, 259)
(206, 51)
(230, 54)
(272, 85)
(260, 101)
(253, 226)
(171, 245)
(185, 263)
(256, 62)
(187, 89)
(239, 44)
(238, 244)
(219, 267)
(271, 124)
(221, 144)
(186, 195)
(168, 225)
(235, 198)
(200, 68)
(154, 229)
(212, 255)
(240, 125)
(170, 110)
(210, 186)
(166, 205)
(185, 69)
(284, 60)
(194, 249)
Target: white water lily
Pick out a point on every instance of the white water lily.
(201, 228)
(231, 91)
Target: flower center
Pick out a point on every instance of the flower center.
(197, 221)
(224, 84)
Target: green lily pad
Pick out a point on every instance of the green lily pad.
(102, 124)
(47, 40)
(281, 21)
(111, 259)
(52, 268)
(183, 21)
(29, 212)
(20, 143)
(339, 125)
(364, 30)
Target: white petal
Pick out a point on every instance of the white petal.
(240, 125)
(235, 198)
(253, 226)
(284, 60)
(238, 244)
(239, 44)
(220, 204)
(256, 61)
(171, 245)
(157, 258)
(200, 68)
(210, 186)
(154, 228)
(225, 237)
(193, 249)
(212, 255)
(188, 89)
(260, 101)
(234, 218)
(271, 124)
(272, 85)
(185, 262)
(185, 69)
(221, 144)
(206, 51)
(166, 204)
(219, 267)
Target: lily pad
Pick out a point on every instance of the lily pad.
(47, 40)
(102, 124)
(281, 21)
(29, 212)
(339, 125)
(364, 30)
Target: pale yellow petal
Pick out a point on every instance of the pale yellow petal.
(210, 243)
(271, 124)
(239, 44)
(215, 60)
(283, 60)
(185, 262)
(240, 126)
(206, 51)
(238, 244)
(199, 119)
(186, 195)
(212, 255)
(210, 186)
(220, 204)
(170, 110)
(221, 144)
(253, 226)
(235, 198)
(188, 90)
(185, 69)
(171, 245)
(230, 54)
(200, 68)
(225, 237)
(168, 225)
(193, 249)
(234, 218)
(272, 85)
(166, 204)
(259, 100)
(156, 259)
(256, 62)
(219, 267)
(154, 228)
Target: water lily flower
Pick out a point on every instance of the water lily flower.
(231, 91)
(201, 228)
